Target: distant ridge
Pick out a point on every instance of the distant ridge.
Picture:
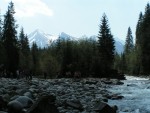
(43, 39)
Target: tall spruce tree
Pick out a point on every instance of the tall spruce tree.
(35, 58)
(138, 42)
(10, 41)
(129, 42)
(24, 50)
(2, 49)
(145, 41)
(128, 49)
(106, 47)
(139, 30)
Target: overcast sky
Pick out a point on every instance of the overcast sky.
(76, 17)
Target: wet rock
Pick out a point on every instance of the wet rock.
(76, 104)
(21, 91)
(132, 85)
(115, 107)
(1, 91)
(107, 82)
(119, 83)
(102, 107)
(45, 104)
(116, 82)
(25, 101)
(105, 100)
(3, 103)
(28, 94)
(6, 97)
(116, 97)
(91, 82)
(14, 97)
(14, 107)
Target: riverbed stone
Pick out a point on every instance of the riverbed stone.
(76, 104)
(45, 104)
(102, 107)
(3, 103)
(28, 94)
(25, 101)
(14, 107)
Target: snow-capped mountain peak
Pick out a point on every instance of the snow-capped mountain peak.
(65, 36)
(44, 40)
(40, 38)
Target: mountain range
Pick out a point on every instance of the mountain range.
(43, 39)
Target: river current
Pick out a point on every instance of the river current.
(136, 92)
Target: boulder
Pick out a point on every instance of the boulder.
(1, 92)
(14, 97)
(14, 107)
(132, 85)
(76, 104)
(116, 97)
(25, 101)
(21, 91)
(91, 82)
(3, 103)
(102, 107)
(107, 82)
(28, 94)
(45, 104)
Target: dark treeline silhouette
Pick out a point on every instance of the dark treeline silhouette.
(86, 57)
(69, 58)
(136, 57)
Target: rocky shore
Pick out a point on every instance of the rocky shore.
(63, 95)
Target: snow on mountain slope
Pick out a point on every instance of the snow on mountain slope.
(44, 40)
(40, 38)
(65, 36)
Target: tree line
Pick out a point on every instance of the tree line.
(135, 59)
(86, 57)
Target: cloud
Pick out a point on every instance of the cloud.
(30, 8)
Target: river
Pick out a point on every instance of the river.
(136, 92)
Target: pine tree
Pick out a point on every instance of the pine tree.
(35, 58)
(0, 28)
(10, 41)
(24, 50)
(139, 30)
(128, 50)
(145, 41)
(2, 49)
(129, 42)
(106, 47)
(138, 42)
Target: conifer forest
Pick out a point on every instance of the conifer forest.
(89, 57)
(84, 75)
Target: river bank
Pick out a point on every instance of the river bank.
(88, 95)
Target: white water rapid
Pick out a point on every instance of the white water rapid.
(136, 92)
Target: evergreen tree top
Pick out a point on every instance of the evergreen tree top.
(129, 42)
(104, 27)
(11, 8)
